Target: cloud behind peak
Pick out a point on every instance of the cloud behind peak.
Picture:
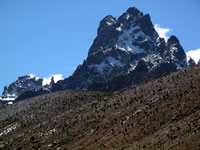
(162, 32)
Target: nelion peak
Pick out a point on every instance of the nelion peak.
(121, 44)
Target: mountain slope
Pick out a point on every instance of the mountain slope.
(161, 114)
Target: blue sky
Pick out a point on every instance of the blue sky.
(46, 37)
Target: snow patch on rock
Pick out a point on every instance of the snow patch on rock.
(106, 65)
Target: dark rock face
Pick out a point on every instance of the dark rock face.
(146, 25)
(178, 55)
(30, 94)
(127, 47)
(106, 32)
(138, 76)
(191, 62)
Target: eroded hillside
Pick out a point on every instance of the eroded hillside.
(161, 114)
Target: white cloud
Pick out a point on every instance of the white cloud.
(194, 54)
(57, 77)
(162, 32)
(47, 80)
(32, 75)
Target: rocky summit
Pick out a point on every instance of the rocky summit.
(126, 52)
(120, 47)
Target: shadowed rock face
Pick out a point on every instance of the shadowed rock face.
(120, 46)
(177, 52)
(191, 62)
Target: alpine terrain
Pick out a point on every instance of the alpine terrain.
(161, 114)
(126, 52)
(134, 91)
(24, 87)
(123, 46)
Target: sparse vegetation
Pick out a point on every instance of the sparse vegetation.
(161, 114)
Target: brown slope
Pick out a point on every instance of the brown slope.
(162, 114)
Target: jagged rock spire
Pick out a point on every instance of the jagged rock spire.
(122, 46)
(52, 81)
(191, 62)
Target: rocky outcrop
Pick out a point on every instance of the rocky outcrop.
(190, 61)
(25, 87)
(21, 85)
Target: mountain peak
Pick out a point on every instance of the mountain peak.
(52, 80)
(173, 40)
(177, 52)
(106, 23)
(130, 17)
(129, 44)
(108, 20)
(106, 32)
(133, 10)
(190, 61)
